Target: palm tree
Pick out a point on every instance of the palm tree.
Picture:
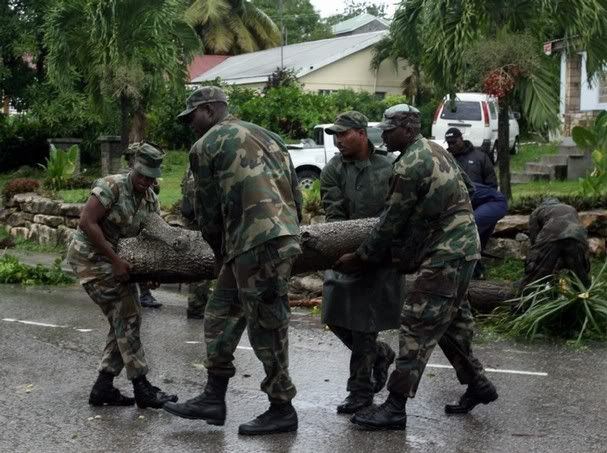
(232, 26)
(443, 34)
(120, 51)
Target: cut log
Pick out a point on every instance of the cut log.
(169, 254)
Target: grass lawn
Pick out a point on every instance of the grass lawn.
(531, 152)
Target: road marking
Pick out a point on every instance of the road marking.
(83, 330)
(493, 370)
(246, 348)
(193, 342)
(44, 324)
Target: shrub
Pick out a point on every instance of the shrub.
(22, 141)
(525, 205)
(19, 185)
(13, 271)
(311, 199)
(59, 168)
(594, 139)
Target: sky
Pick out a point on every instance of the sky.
(329, 7)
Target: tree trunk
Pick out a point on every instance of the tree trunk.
(138, 126)
(124, 122)
(503, 148)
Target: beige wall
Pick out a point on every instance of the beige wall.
(353, 72)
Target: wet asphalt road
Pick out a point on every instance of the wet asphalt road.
(46, 373)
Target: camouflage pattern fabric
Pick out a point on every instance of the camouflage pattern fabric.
(553, 221)
(436, 311)
(245, 187)
(251, 292)
(198, 295)
(126, 212)
(429, 195)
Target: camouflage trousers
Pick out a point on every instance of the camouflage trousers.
(251, 292)
(198, 295)
(552, 257)
(365, 351)
(436, 311)
(119, 302)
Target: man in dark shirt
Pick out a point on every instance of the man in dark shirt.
(489, 205)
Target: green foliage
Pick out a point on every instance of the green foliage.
(510, 269)
(526, 204)
(281, 77)
(595, 140)
(22, 141)
(311, 199)
(19, 185)
(60, 166)
(13, 271)
(562, 308)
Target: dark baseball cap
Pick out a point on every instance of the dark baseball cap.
(204, 95)
(348, 120)
(453, 132)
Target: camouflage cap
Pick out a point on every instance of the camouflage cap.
(348, 120)
(400, 115)
(202, 95)
(148, 158)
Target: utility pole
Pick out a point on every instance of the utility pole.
(282, 36)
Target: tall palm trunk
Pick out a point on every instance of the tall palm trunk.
(503, 149)
(138, 126)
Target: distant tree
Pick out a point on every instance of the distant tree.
(231, 27)
(281, 78)
(120, 51)
(355, 8)
(300, 20)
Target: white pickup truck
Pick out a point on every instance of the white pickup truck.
(310, 156)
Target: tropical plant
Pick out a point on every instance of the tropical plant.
(122, 51)
(312, 205)
(560, 307)
(13, 271)
(594, 140)
(436, 35)
(232, 26)
(60, 166)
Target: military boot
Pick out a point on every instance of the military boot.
(354, 402)
(146, 395)
(104, 392)
(210, 405)
(279, 418)
(391, 415)
(385, 357)
(481, 390)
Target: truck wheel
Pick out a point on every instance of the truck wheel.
(516, 148)
(306, 178)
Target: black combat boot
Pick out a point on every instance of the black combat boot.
(385, 357)
(148, 301)
(390, 415)
(104, 392)
(354, 402)
(481, 390)
(146, 395)
(279, 418)
(210, 405)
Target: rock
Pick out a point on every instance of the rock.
(43, 234)
(41, 205)
(19, 219)
(50, 220)
(507, 248)
(521, 237)
(20, 232)
(510, 225)
(21, 198)
(597, 246)
(309, 284)
(71, 209)
(595, 222)
(64, 235)
(72, 222)
(174, 220)
(5, 213)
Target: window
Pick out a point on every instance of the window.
(325, 92)
(380, 94)
(603, 90)
(464, 110)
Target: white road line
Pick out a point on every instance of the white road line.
(83, 330)
(44, 324)
(246, 348)
(193, 342)
(493, 370)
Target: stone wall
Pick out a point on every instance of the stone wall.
(53, 222)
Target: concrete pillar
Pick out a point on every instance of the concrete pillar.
(111, 154)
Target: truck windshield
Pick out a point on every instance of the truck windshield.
(464, 110)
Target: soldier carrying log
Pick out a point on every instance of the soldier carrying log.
(428, 227)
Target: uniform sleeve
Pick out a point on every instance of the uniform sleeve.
(207, 205)
(297, 195)
(489, 177)
(534, 226)
(331, 195)
(411, 183)
(102, 189)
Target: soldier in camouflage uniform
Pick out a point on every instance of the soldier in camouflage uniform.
(246, 207)
(428, 199)
(198, 292)
(559, 241)
(354, 185)
(116, 209)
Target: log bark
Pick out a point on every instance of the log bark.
(169, 254)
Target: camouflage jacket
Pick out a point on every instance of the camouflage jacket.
(246, 189)
(554, 221)
(126, 211)
(428, 199)
(355, 189)
(188, 193)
